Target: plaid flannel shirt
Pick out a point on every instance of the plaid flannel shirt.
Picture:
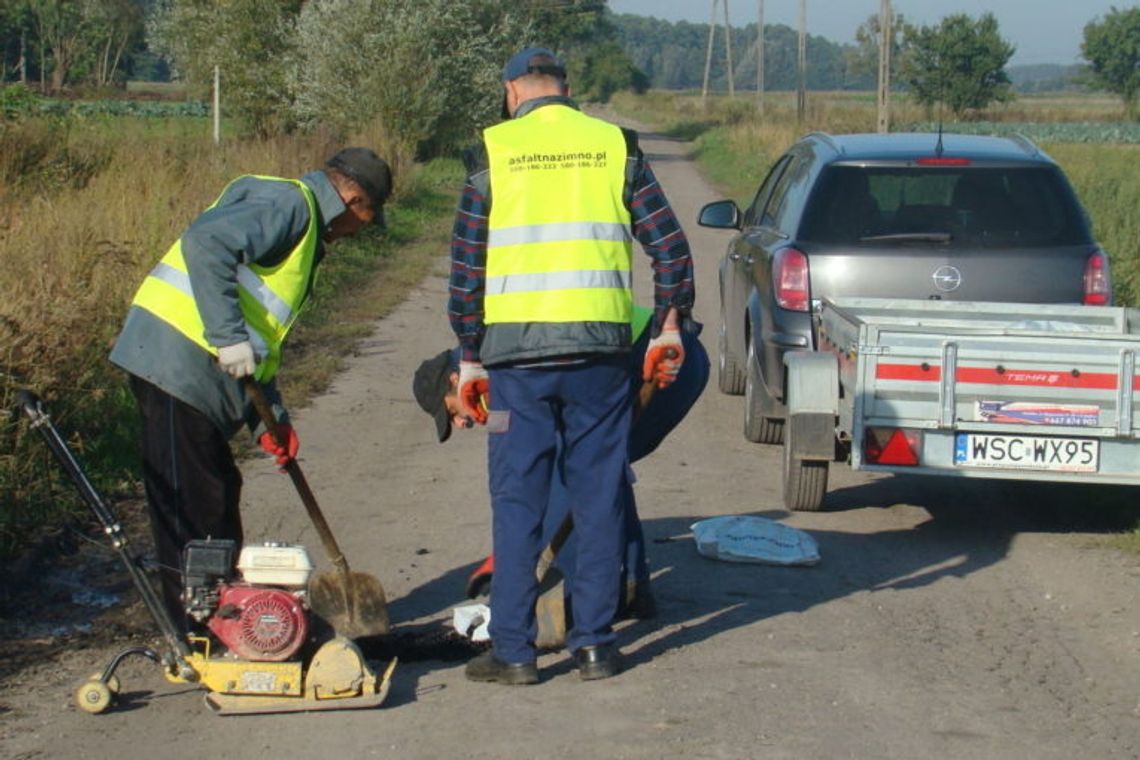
(654, 224)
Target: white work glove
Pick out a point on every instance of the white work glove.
(237, 360)
(474, 390)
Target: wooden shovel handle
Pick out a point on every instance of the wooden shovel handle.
(253, 390)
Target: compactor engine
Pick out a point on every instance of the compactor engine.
(260, 613)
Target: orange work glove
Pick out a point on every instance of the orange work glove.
(474, 390)
(286, 453)
(664, 357)
(479, 582)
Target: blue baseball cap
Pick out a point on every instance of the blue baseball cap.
(533, 60)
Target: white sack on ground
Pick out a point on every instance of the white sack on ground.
(741, 538)
(471, 621)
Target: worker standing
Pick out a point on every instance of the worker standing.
(540, 301)
(214, 311)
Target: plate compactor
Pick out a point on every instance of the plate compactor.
(261, 650)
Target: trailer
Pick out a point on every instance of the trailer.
(966, 389)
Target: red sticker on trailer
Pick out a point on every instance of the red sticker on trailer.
(994, 376)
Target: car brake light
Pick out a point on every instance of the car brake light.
(1097, 280)
(943, 162)
(897, 446)
(790, 277)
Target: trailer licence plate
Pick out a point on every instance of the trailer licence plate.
(1027, 452)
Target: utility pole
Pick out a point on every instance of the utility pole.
(760, 55)
(886, 38)
(728, 51)
(23, 63)
(801, 58)
(708, 56)
(217, 105)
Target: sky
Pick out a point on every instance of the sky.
(1043, 31)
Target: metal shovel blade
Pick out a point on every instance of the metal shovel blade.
(353, 603)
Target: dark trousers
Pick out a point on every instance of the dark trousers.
(665, 410)
(192, 484)
(569, 423)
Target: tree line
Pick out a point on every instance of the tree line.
(962, 62)
(429, 69)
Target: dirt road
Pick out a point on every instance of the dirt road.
(946, 620)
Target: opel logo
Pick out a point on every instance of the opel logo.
(947, 278)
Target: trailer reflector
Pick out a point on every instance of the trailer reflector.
(897, 446)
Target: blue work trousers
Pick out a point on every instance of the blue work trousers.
(570, 423)
(665, 410)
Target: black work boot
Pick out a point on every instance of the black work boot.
(596, 662)
(487, 667)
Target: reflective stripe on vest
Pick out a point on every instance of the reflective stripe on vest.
(269, 297)
(559, 242)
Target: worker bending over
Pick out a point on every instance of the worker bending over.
(214, 311)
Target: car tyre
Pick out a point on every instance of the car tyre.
(759, 427)
(730, 375)
(805, 481)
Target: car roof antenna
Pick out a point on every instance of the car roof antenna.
(941, 108)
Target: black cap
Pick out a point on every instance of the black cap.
(432, 382)
(368, 170)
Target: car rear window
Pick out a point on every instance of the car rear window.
(962, 205)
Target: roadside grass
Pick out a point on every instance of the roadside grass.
(735, 144)
(1127, 542)
(87, 206)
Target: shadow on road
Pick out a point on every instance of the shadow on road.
(970, 526)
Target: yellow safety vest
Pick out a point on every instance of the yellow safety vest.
(559, 244)
(270, 297)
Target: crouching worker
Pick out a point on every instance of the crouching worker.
(215, 311)
(435, 388)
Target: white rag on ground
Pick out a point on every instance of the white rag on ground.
(471, 621)
(741, 538)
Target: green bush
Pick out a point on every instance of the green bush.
(17, 99)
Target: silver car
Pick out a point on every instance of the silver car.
(955, 217)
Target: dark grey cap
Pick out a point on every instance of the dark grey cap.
(368, 170)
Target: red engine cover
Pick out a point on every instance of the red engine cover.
(260, 624)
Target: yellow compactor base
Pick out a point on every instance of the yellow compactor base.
(337, 678)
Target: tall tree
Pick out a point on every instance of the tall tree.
(1112, 48)
(250, 41)
(61, 27)
(116, 26)
(863, 58)
(960, 62)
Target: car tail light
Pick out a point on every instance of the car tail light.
(1098, 280)
(790, 277)
(943, 162)
(898, 446)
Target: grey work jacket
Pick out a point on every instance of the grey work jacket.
(255, 221)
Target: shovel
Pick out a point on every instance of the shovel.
(353, 603)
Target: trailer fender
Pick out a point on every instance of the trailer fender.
(813, 404)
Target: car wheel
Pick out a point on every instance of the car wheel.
(730, 375)
(758, 426)
(805, 481)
